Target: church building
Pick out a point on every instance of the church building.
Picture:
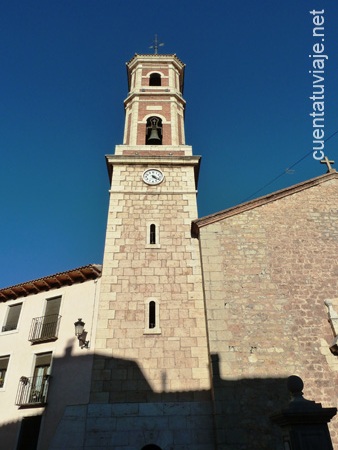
(193, 325)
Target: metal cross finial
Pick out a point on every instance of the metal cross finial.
(328, 163)
(156, 45)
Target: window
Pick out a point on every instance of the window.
(12, 317)
(155, 79)
(40, 378)
(32, 391)
(152, 316)
(152, 234)
(154, 131)
(51, 317)
(4, 360)
(46, 327)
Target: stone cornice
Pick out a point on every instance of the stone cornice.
(133, 96)
(172, 160)
(156, 57)
(163, 160)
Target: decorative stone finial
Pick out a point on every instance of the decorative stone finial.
(305, 421)
(295, 386)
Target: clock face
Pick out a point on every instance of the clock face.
(153, 176)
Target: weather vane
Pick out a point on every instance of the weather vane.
(156, 45)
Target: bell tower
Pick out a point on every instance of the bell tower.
(151, 359)
(155, 106)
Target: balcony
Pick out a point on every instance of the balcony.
(32, 391)
(44, 328)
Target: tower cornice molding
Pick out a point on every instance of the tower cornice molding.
(132, 95)
(152, 57)
(154, 193)
(158, 161)
(115, 160)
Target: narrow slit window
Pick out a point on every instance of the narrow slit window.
(152, 314)
(152, 234)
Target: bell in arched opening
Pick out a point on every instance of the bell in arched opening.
(154, 131)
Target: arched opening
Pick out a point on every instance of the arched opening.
(155, 79)
(152, 234)
(152, 314)
(154, 131)
(151, 447)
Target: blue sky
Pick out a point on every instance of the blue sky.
(63, 82)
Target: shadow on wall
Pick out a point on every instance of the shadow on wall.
(242, 407)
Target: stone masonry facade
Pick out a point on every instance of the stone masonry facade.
(131, 426)
(176, 358)
(268, 267)
(169, 364)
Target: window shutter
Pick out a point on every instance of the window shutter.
(13, 317)
(4, 362)
(53, 306)
(44, 359)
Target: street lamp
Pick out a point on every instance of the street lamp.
(81, 334)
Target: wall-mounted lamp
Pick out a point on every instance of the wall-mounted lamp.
(81, 334)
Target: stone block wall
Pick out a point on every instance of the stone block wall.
(267, 271)
(171, 426)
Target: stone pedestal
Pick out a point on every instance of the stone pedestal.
(304, 422)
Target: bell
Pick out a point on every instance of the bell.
(154, 138)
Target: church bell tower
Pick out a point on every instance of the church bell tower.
(151, 358)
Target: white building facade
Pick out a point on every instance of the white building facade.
(42, 365)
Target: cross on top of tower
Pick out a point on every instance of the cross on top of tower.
(328, 163)
(156, 45)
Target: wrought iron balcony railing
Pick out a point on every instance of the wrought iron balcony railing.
(44, 328)
(32, 391)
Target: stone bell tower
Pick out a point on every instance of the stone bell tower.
(151, 364)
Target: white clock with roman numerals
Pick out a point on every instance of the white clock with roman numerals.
(152, 176)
